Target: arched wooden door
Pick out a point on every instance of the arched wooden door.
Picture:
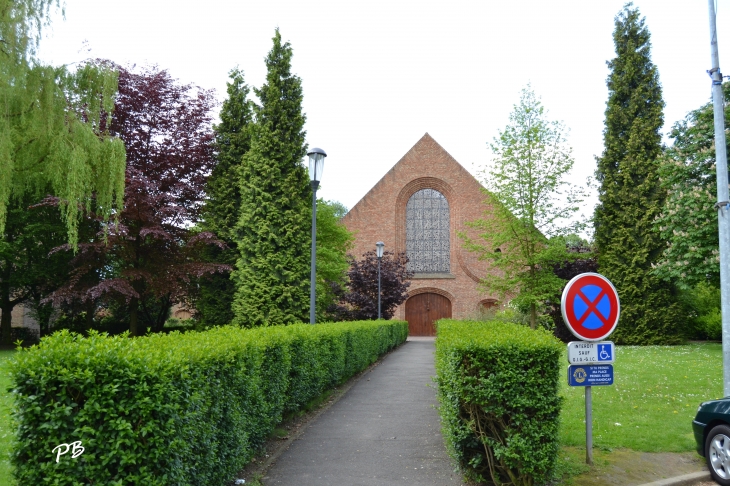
(423, 310)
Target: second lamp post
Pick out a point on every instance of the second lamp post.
(316, 165)
(379, 251)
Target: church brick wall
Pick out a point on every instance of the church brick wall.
(380, 216)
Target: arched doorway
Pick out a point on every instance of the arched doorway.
(423, 310)
(488, 307)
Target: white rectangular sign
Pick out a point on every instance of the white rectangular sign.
(582, 352)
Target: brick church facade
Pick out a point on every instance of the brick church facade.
(419, 207)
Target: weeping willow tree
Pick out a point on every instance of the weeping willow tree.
(53, 120)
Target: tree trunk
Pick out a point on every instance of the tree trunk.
(533, 316)
(135, 325)
(156, 320)
(5, 322)
(163, 315)
(90, 308)
(6, 307)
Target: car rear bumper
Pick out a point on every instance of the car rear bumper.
(699, 430)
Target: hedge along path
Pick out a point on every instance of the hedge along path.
(498, 385)
(178, 408)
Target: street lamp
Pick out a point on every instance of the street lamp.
(316, 165)
(379, 251)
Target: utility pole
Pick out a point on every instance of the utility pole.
(723, 200)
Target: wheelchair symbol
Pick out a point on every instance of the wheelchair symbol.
(603, 354)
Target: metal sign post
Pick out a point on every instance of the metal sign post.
(591, 308)
(589, 376)
(589, 427)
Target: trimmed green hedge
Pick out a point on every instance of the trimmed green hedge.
(174, 409)
(500, 404)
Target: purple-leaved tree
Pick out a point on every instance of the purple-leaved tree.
(147, 260)
(360, 300)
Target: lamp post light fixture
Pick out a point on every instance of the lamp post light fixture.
(316, 166)
(379, 252)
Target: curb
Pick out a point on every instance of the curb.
(684, 480)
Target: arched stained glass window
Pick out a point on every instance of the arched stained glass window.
(427, 232)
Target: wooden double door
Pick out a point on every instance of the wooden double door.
(423, 310)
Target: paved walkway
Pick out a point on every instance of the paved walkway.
(385, 430)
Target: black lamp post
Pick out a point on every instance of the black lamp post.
(316, 165)
(379, 251)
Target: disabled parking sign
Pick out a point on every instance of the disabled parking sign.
(582, 352)
(590, 307)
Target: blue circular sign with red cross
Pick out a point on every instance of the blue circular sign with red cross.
(590, 307)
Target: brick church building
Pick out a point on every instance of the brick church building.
(419, 207)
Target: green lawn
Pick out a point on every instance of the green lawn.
(6, 431)
(652, 402)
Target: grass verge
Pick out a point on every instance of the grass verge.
(620, 467)
(6, 430)
(652, 402)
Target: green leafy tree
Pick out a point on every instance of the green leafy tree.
(630, 196)
(688, 220)
(334, 241)
(52, 124)
(214, 299)
(29, 269)
(274, 228)
(531, 201)
(584, 262)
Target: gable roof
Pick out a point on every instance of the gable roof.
(426, 161)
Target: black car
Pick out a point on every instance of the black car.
(711, 427)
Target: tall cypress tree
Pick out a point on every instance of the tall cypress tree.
(274, 227)
(630, 196)
(233, 139)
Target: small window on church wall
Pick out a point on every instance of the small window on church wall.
(427, 232)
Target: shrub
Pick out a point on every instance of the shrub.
(710, 325)
(174, 408)
(500, 404)
(702, 306)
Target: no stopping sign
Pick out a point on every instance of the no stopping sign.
(590, 307)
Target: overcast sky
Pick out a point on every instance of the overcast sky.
(377, 75)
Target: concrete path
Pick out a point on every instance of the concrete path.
(385, 430)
